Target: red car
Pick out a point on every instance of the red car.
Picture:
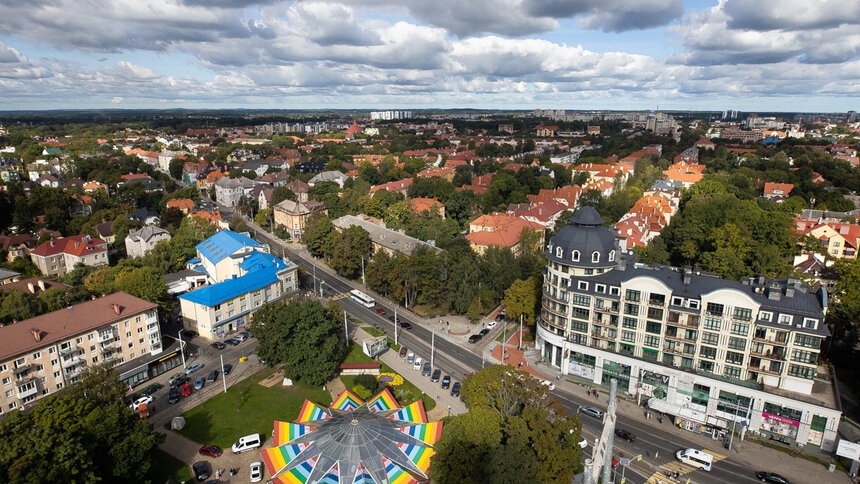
(380, 311)
(211, 451)
(185, 389)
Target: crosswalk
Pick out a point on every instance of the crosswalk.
(342, 295)
(670, 468)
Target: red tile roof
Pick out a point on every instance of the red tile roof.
(78, 245)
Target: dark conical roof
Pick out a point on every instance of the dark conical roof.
(588, 216)
(577, 243)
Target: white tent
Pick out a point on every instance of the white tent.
(178, 423)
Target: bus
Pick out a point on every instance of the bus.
(695, 458)
(362, 298)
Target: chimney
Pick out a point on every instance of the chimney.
(31, 287)
(688, 275)
(116, 308)
(36, 334)
(52, 242)
(41, 284)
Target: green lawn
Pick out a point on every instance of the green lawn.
(165, 466)
(405, 394)
(246, 408)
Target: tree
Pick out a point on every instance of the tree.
(317, 229)
(476, 310)
(175, 167)
(522, 298)
(279, 194)
(18, 306)
(349, 248)
(171, 217)
(145, 283)
(303, 335)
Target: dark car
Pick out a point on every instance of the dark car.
(770, 477)
(500, 317)
(437, 374)
(426, 370)
(152, 389)
(185, 389)
(455, 390)
(201, 471)
(211, 451)
(403, 352)
(179, 382)
(187, 333)
(393, 319)
(446, 382)
(475, 338)
(227, 368)
(173, 396)
(484, 332)
(218, 345)
(380, 311)
(232, 341)
(213, 375)
(624, 434)
(405, 325)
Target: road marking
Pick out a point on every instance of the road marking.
(717, 457)
(339, 296)
(660, 478)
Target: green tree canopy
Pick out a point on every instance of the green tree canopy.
(522, 298)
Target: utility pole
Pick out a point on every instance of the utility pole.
(610, 436)
(345, 329)
(396, 323)
(223, 376)
(363, 280)
(432, 346)
(182, 348)
(520, 345)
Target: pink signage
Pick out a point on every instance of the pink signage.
(780, 419)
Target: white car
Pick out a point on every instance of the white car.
(548, 383)
(491, 324)
(140, 401)
(256, 472)
(417, 365)
(583, 443)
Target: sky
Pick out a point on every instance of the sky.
(746, 55)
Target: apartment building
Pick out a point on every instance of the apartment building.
(139, 242)
(294, 215)
(704, 350)
(59, 256)
(41, 355)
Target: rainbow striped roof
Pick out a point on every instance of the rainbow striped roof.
(332, 445)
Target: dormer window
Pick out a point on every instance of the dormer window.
(595, 257)
(559, 251)
(612, 256)
(575, 256)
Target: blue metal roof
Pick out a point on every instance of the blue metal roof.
(260, 269)
(223, 244)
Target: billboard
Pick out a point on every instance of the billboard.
(374, 346)
(848, 449)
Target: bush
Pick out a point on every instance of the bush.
(369, 382)
(362, 392)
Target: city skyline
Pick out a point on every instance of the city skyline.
(493, 54)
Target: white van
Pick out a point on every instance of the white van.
(417, 364)
(695, 458)
(246, 443)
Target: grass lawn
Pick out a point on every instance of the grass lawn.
(165, 466)
(247, 408)
(405, 394)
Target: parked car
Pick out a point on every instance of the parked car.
(437, 374)
(255, 473)
(240, 337)
(380, 311)
(417, 364)
(213, 375)
(232, 341)
(492, 324)
(246, 443)
(402, 352)
(189, 334)
(211, 451)
(426, 370)
(174, 380)
(218, 345)
(626, 435)
(144, 409)
(446, 382)
(548, 383)
(475, 338)
(173, 396)
(591, 411)
(201, 470)
(246, 334)
(410, 357)
(191, 369)
(199, 382)
(484, 332)
(185, 389)
(770, 477)
(455, 390)
(140, 401)
(151, 389)
(583, 443)
(405, 325)
(227, 368)
(500, 317)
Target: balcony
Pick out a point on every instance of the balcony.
(22, 370)
(598, 334)
(106, 336)
(69, 374)
(606, 310)
(771, 355)
(554, 311)
(679, 338)
(763, 369)
(770, 341)
(68, 350)
(682, 324)
(70, 362)
(152, 329)
(28, 390)
(606, 324)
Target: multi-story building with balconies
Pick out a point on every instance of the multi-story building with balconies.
(41, 355)
(705, 350)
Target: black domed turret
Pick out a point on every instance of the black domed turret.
(585, 242)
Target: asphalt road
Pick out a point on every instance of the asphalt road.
(458, 361)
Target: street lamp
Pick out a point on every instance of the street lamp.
(181, 348)
(449, 410)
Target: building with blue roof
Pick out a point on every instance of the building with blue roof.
(243, 276)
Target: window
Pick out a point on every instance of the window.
(559, 252)
(807, 341)
(652, 341)
(743, 314)
(631, 309)
(714, 309)
(218, 306)
(7, 380)
(655, 313)
(595, 257)
(628, 336)
(804, 357)
(693, 304)
(632, 295)
(3, 367)
(580, 300)
(589, 272)
(708, 352)
(614, 291)
(739, 329)
(736, 358)
(579, 326)
(612, 256)
(653, 328)
(801, 371)
(732, 371)
(765, 315)
(785, 318)
(575, 256)
(580, 313)
(739, 344)
(601, 288)
(710, 338)
(629, 323)
(706, 366)
(807, 323)
(677, 301)
(712, 324)
(582, 285)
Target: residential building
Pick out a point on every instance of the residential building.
(437, 171)
(8, 277)
(838, 239)
(39, 356)
(685, 174)
(105, 232)
(399, 186)
(704, 350)
(381, 237)
(139, 242)
(300, 188)
(59, 256)
(421, 204)
(17, 245)
(329, 176)
(213, 218)
(294, 215)
(226, 306)
(545, 131)
(32, 286)
(228, 191)
(501, 230)
(777, 191)
(219, 256)
(186, 205)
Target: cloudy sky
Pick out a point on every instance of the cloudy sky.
(752, 55)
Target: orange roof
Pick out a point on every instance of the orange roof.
(506, 230)
(421, 204)
(181, 203)
(211, 217)
(436, 171)
(770, 188)
(392, 186)
(685, 172)
(75, 245)
(134, 176)
(94, 185)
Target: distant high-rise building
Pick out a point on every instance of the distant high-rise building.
(389, 115)
(851, 116)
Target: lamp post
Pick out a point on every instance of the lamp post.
(449, 410)
(181, 348)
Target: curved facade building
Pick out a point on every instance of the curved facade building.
(706, 350)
